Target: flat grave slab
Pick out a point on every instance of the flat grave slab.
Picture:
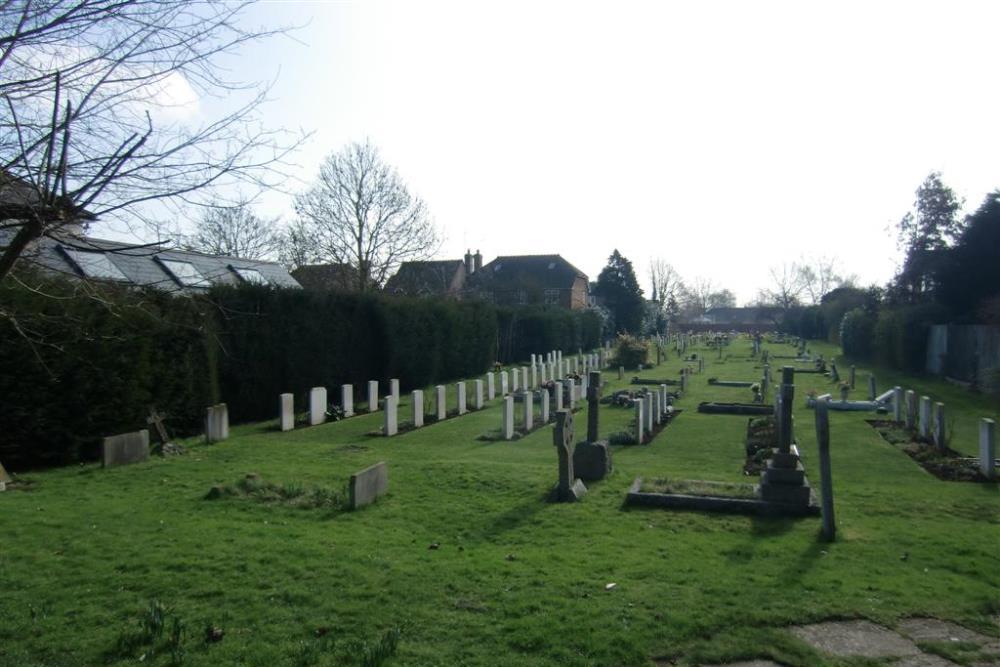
(936, 630)
(924, 660)
(855, 638)
(716, 408)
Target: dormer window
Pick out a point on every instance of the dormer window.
(94, 264)
(184, 273)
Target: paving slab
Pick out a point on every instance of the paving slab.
(855, 638)
(924, 660)
(936, 630)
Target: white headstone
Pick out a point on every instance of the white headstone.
(657, 407)
(504, 384)
(663, 398)
(317, 405)
(529, 410)
(925, 417)
(649, 413)
(373, 396)
(534, 375)
(571, 383)
(507, 414)
(394, 389)
(391, 423)
(987, 448)
(477, 395)
(515, 380)
(559, 396)
(418, 408)
(525, 378)
(460, 388)
(491, 387)
(897, 404)
(287, 418)
(440, 402)
(640, 422)
(544, 395)
(347, 399)
(939, 426)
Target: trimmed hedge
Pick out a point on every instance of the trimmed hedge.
(532, 329)
(900, 335)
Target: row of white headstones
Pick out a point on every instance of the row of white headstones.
(527, 379)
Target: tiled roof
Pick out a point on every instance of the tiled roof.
(425, 277)
(546, 271)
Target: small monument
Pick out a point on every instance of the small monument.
(592, 458)
(783, 481)
(570, 488)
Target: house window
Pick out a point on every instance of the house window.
(95, 264)
(251, 276)
(551, 297)
(184, 273)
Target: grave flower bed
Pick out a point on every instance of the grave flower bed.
(944, 463)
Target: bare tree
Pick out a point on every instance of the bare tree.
(787, 286)
(665, 280)
(818, 276)
(699, 292)
(95, 116)
(236, 231)
(359, 212)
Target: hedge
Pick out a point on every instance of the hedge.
(527, 330)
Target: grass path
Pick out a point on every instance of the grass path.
(514, 580)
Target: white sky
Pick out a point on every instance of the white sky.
(724, 137)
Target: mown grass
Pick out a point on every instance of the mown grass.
(512, 580)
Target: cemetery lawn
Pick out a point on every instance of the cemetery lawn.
(471, 565)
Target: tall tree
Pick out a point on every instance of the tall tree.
(359, 212)
(969, 276)
(92, 120)
(924, 235)
(666, 284)
(236, 231)
(786, 287)
(620, 291)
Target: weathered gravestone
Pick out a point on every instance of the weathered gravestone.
(155, 419)
(217, 422)
(529, 410)
(287, 414)
(544, 400)
(460, 389)
(570, 488)
(317, 406)
(124, 449)
(592, 459)
(368, 484)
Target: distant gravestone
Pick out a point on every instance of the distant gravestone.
(491, 387)
(367, 485)
(347, 399)
(317, 406)
(569, 488)
(391, 421)
(477, 395)
(125, 449)
(649, 412)
(394, 389)
(372, 395)
(925, 417)
(287, 412)
(571, 387)
(460, 389)
(217, 422)
(939, 426)
(897, 404)
(504, 383)
(514, 379)
(418, 408)
(507, 417)
(558, 388)
(871, 388)
(440, 402)
(911, 409)
(544, 394)
(640, 422)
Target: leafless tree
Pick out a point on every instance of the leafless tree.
(665, 280)
(787, 286)
(698, 294)
(95, 119)
(818, 276)
(236, 231)
(359, 212)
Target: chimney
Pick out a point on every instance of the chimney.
(478, 257)
(469, 268)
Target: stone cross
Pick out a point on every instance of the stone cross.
(317, 405)
(347, 399)
(593, 404)
(570, 488)
(418, 408)
(155, 419)
(287, 414)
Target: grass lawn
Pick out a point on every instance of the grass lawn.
(512, 580)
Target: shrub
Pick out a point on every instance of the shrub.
(856, 331)
(630, 352)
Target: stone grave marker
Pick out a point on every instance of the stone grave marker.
(368, 484)
(829, 528)
(477, 394)
(394, 389)
(648, 408)
(491, 387)
(621, 372)
(939, 426)
(347, 399)
(987, 448)
(911, 409)
(460, 389)
(871, 388)
(657, 408)
(544, 401)
(155, 419)
(125, 449)
(287, 412)
(391, 420)
(570, 488)
(534, 375)
(440, 402)
(640, 422)
(515, 381)
(592, 458)
(418, 408)
(783, 481)
(897, 404)
(529, 410)
(504, 383)
(216, 422)
(372, 395)
(834, 375)
(559, 395)
(925, 417)
(507, 417)
(317, 406)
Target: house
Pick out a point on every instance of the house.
(430, 278)
(338, 277)
(149, 265)
(531, 279)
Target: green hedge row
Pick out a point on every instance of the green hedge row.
(77, 365)
(894, 337)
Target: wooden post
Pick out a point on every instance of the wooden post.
(826, 478)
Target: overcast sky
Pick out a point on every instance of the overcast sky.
(724, 137)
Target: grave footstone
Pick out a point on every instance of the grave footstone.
(417, 398)
(987, 448)
(391, 421)
(440, 402)
(368, 484)
(939, 426)
(460, 390)
(124, 449)
(317, 406)
(491, 388)
(570, 488)
(477, 394)
(347, 399)
(925, 417)
(287, 412)
(372, 395)
(507, 417)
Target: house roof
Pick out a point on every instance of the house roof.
(425, 277)
(327, 277)
(150, 265)
(545, 271)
